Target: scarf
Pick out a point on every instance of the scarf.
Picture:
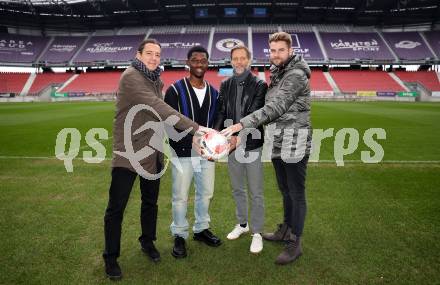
(241, 77)
(142, 68)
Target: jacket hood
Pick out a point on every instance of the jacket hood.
(294, 62)
(297, 62)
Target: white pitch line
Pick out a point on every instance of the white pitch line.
(51, 157)
(41, 157)
(87, 145)
(311, 161)
(384, 161)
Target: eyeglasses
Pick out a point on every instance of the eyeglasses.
(197, 61)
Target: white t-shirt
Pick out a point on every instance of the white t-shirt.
(200, 93)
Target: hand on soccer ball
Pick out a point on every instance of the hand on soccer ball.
(203, 130)
(229, 131)
(234, 142)
(197, 141)
(213, 146)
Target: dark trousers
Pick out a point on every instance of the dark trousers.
(120, 189)
(291, 178)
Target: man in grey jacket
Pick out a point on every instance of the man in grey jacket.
(287, 112)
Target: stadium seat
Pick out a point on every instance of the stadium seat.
(169, 77)
(428, 79)
(355, 80)
(213, 78)
(45, 79)
(94, 83)
(318, 82)
(12, 82)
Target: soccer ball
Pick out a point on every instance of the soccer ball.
(215, 145)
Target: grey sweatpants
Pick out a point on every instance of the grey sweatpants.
(253, 171)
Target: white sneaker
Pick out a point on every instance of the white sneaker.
(237, 232)
(257, 243)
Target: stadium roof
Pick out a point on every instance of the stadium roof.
(96, 14)
(44, 2)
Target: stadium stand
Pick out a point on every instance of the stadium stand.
(21, 48)
(318, 82)
(319, 44)
(105, 32)
(169, 77)
(231, 29)
(294, 28)
(224, 41)
(132, 31)
(200, 29)
(176, 46)
(356, 47)
(109, 49)
(362, 29)
(351, 81)
(341, 43)
(348, 81)
(267, 28)
(332, 28)
(166, 30)
(408, 46)
(12, 82)
(61, 50)
(214, 78)
(428, 79)
(94, 83)
(107, 82)
(43, 80)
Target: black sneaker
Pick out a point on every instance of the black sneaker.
(112, 269)
(149, 248)
(179, 249)
(208, 238)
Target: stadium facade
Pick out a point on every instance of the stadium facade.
(360, 43)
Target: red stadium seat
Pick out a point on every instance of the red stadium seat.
(45, 79)
(94, 83)
(13, 82)
(354, 80)
(318, 82)
(213, 78)
(171, 76)
(428, 79)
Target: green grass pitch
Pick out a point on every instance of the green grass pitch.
(366, 223)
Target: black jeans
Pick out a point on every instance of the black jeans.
(291, 178)
(120, 188)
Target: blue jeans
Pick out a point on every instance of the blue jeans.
(204, 174)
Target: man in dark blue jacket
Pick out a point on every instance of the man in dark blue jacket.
(196, 99)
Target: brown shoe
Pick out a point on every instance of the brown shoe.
(291, 252)
(281, 234)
